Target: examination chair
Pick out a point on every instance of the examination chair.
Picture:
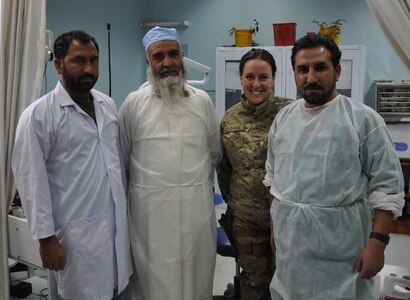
(224, 248)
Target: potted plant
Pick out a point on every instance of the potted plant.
(332, 29)
(243, 37)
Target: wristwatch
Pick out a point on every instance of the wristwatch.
(381, 237)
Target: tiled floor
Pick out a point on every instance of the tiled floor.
(224, 273)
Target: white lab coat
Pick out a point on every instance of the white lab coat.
(327, 168)
(169, 150)
(70, 177)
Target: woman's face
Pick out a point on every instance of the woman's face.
(257, 81)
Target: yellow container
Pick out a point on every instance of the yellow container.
(332, 31)
(243, 37)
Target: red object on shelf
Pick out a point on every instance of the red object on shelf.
(284, 34)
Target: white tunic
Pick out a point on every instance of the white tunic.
(169, 150)
(327, 168)
(70, 178)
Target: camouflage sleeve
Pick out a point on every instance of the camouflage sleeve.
(224, 172)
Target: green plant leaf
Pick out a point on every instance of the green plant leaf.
(337, 23)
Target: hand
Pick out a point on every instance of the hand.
(52, 253)
(371, 260)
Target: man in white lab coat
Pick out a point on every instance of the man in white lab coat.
(170, 139)
(331, 165)
(71, 179)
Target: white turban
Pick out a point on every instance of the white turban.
(157, 34)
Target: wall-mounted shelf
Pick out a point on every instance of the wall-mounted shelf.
(164, 23)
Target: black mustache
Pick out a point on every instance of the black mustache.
(168, 70)
(312, 86)
(88, 77)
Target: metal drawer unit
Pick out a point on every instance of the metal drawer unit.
(393, 102)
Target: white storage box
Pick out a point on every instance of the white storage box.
(400, 134)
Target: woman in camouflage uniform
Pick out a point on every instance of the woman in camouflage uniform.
(244, 130)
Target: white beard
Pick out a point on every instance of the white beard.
(171, 88)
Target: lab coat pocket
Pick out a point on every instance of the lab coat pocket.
(87, 245)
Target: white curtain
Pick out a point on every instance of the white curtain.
(393, 17)
(22, 61)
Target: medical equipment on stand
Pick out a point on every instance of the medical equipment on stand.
(109, 58)
(24, 249)
(49, 46)
(48, 55)
(394, 283)
(393, 104)
(189, 63)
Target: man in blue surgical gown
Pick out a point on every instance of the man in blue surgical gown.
(171, 141)
(331, 165)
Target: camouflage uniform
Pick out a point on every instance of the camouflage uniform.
(244, 130)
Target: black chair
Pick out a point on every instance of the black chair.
(224, 248)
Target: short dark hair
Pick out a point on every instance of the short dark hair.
(261, 54)
(313, 41)
(62, 43)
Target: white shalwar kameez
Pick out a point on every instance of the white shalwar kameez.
(328, 167)
(169, 149)
(71, 180)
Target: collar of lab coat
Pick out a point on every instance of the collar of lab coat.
(65, 98)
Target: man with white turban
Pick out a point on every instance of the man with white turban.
(170, 140)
